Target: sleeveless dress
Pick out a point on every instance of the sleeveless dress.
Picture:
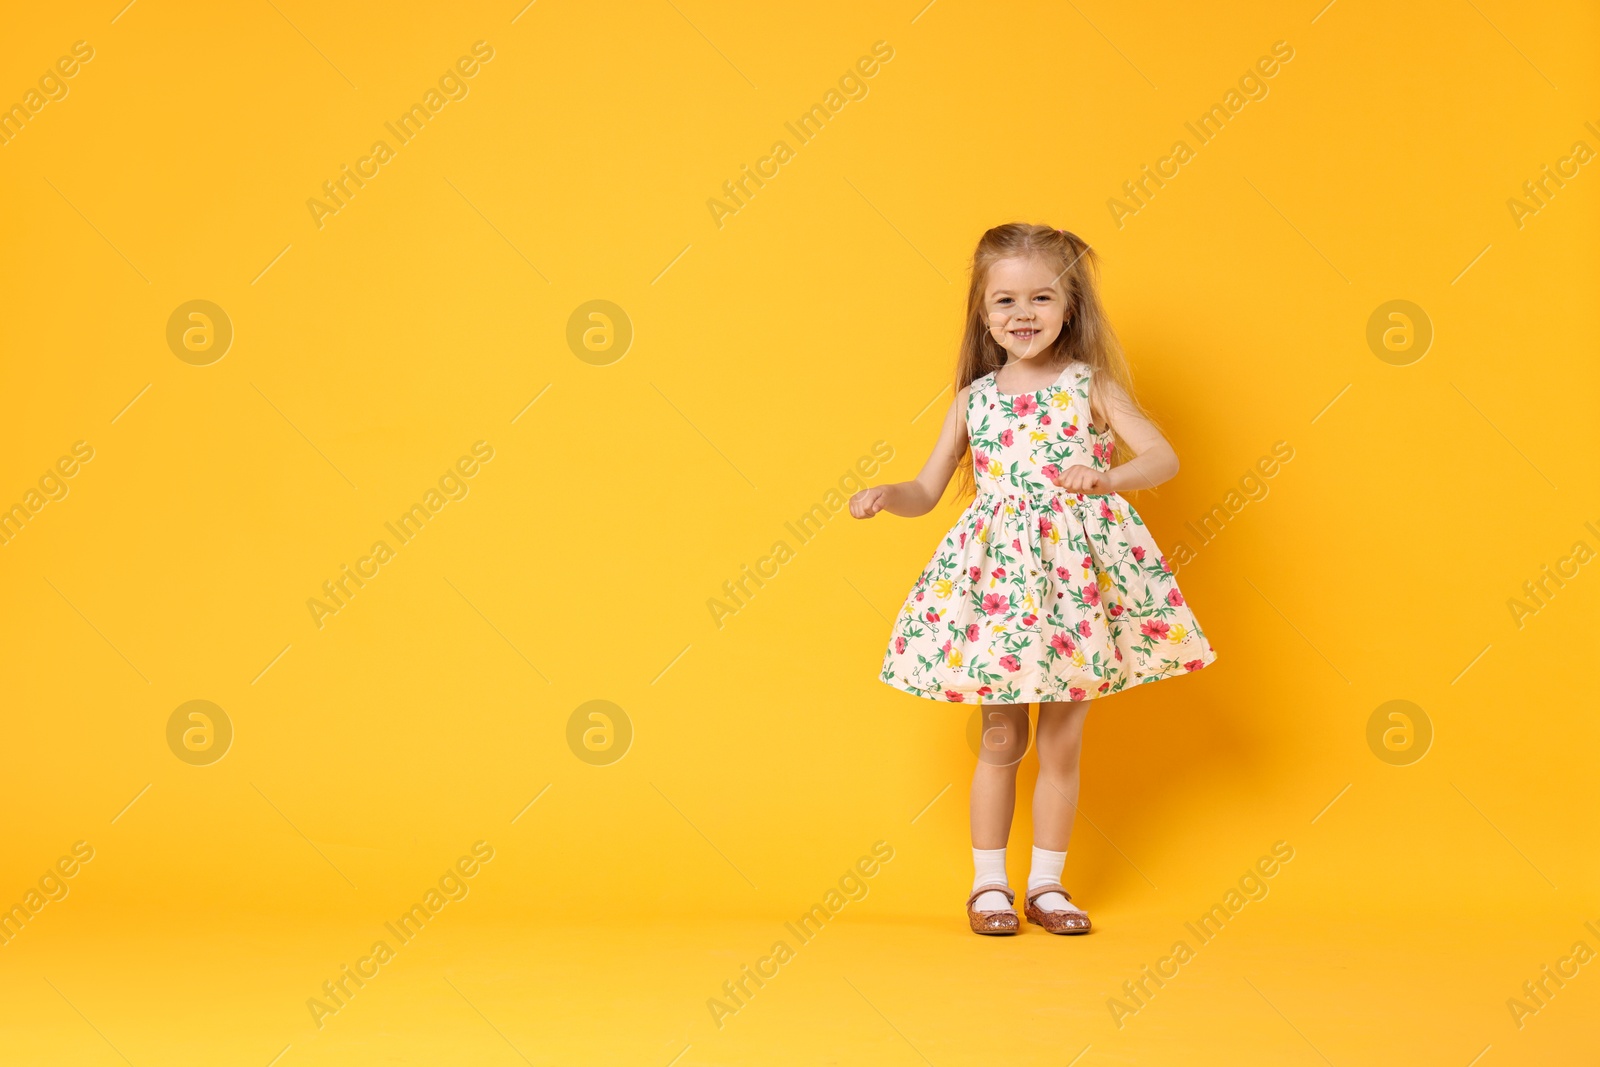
(1039, 594)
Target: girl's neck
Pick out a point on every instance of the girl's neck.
(1053, 362)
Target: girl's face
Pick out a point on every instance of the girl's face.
(1026, 305)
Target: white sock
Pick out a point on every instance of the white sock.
(989, 865)
(1047, 868)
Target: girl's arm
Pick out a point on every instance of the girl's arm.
(1153, 461)
(918, 496)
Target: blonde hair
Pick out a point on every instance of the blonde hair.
(1086, 333)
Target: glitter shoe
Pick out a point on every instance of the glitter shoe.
(993, 922)
(1055, 922)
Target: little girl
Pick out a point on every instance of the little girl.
(1048, 588)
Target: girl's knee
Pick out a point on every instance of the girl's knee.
(1003, 735)
(1060, 737)
(1059, 756)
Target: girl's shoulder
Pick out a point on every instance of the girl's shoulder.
(961, 403)
(974, 387)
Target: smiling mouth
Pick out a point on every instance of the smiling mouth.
(1024, 334)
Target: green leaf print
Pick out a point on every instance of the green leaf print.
(1059, 452)
(1146, 644)
(1099, 663)
(1023, 479)
(1017, 641)
(1146, 607)
(1168, 666)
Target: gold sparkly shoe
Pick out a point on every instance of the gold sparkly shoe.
(1055, 922)
(993, 922)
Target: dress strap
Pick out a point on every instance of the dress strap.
(978, 385)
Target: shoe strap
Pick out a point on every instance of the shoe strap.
(1011, 896)
(1053, 887)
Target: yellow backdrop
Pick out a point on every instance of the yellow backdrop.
(432, 633)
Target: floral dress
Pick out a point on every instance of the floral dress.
(1039, 594)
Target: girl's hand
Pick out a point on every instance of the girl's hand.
(868, 502)
(1079, 478)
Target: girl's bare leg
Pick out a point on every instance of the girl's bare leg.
(1055, 799)
(1055, 796)
(994, 780)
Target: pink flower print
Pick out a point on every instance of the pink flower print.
(1087, 564)
(899, 646)
(946, 648)
(1011, 663)
(1050, 472)
(972, 631)
(1044, 420)
(1084, 629)
(1117, 652)
(1061, 643)
(1062, 573)
(984, 690)
(974, 573)
(1174, 597)
(994, 604)
(1024, 405)
(920, 592)
(998, 572)
(980, 461)
(1102, 452)
(1045, 526)
(1164, 565)
(1076, 694)
(962, 540)
(953, 696)
(1154, 628)
(1055, 505)
(1114, 610)
(1105, 510)
(1194, 664)
(1091, 594)
(1029, 620)
(1138, 553)
(1007, 438)
(1104, 686)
